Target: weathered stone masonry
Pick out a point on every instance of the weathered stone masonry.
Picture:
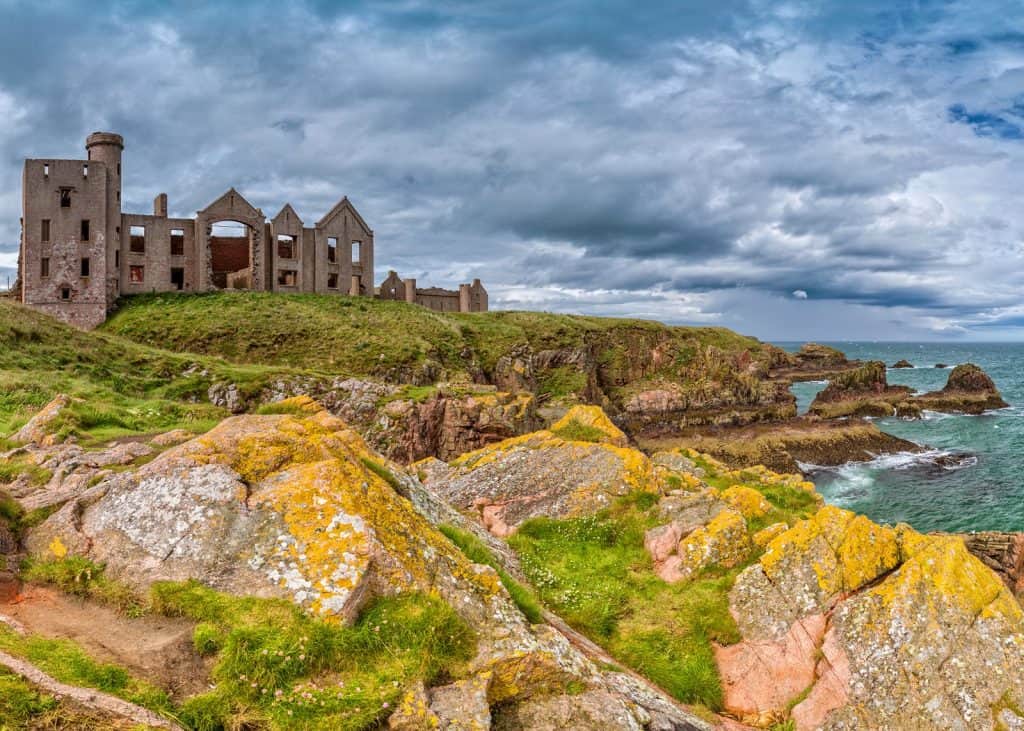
(80, 251)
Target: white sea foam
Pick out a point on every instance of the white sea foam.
(895, 461)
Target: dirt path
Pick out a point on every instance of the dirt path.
(158, 649)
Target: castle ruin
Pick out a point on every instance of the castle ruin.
(80, 252)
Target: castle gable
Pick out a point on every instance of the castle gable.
(341, 207)
(287, 218)
(232, 206)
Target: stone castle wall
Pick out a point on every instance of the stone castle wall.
(80, 251)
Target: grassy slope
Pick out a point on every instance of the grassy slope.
(595, 573)
(125, 387)
(365, 337)
(275, 666)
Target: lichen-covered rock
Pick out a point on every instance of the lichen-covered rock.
(595, 710)
(171, 438)
(724, 542)
(413, 712)
(766, 535)
(749, 502)
(541, 474)
(811, 564)
(918, 633)
(463, 705)
(295, 505)
(38, 429)
(593, 418)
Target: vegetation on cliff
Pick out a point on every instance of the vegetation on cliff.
(595, 572)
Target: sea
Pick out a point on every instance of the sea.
(981, 490)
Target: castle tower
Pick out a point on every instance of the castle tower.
(106, 147)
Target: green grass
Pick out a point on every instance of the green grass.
(20, 703)
(574, 431)
(66, 662)
(384, 473)
(118, 387)
(275, 665)
(79, 576)
(595, 573)
(367, 337)
(279, 666)
(562, 382)
(477, 552)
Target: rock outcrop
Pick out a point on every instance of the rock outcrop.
(38, 430)
(968, 390)
(811, 363)
(857, 625)
(866, 392)
(561, 472)
(861, 392)
(408, 424)
(296, 505)
(784, 447)
(904, 363)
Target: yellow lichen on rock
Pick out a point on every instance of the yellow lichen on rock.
(57, 548)
(747, 501)
(765, 536)
(845, 551)
(868, 550)
(724, 542)
(594, 418)
(942, 565)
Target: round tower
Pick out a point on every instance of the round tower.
(106, 147)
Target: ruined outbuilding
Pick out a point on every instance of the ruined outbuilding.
(80, 252)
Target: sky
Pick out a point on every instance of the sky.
(793, 170)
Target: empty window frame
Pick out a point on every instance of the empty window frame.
(46, 170)
(136, 274)
(357, 252)
(85, 229)
(287, 277)
(332, 249)
(44, 267)
(117, 259)
(65, 197)
(84, 267)
(85, 171)
(285, 247)
(44, 230)
(65, 293)
(178, 278)
(137, 239)
(332, 280)
(177, 242)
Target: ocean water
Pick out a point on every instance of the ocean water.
(984, 491)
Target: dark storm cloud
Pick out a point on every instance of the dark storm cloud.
(673, 160)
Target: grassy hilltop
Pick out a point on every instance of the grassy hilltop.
(368, 337)
(150, 366)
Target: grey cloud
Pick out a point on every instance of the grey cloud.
(682, 162)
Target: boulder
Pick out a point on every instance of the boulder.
(542, 474)
(902, 364)
(38, 429)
